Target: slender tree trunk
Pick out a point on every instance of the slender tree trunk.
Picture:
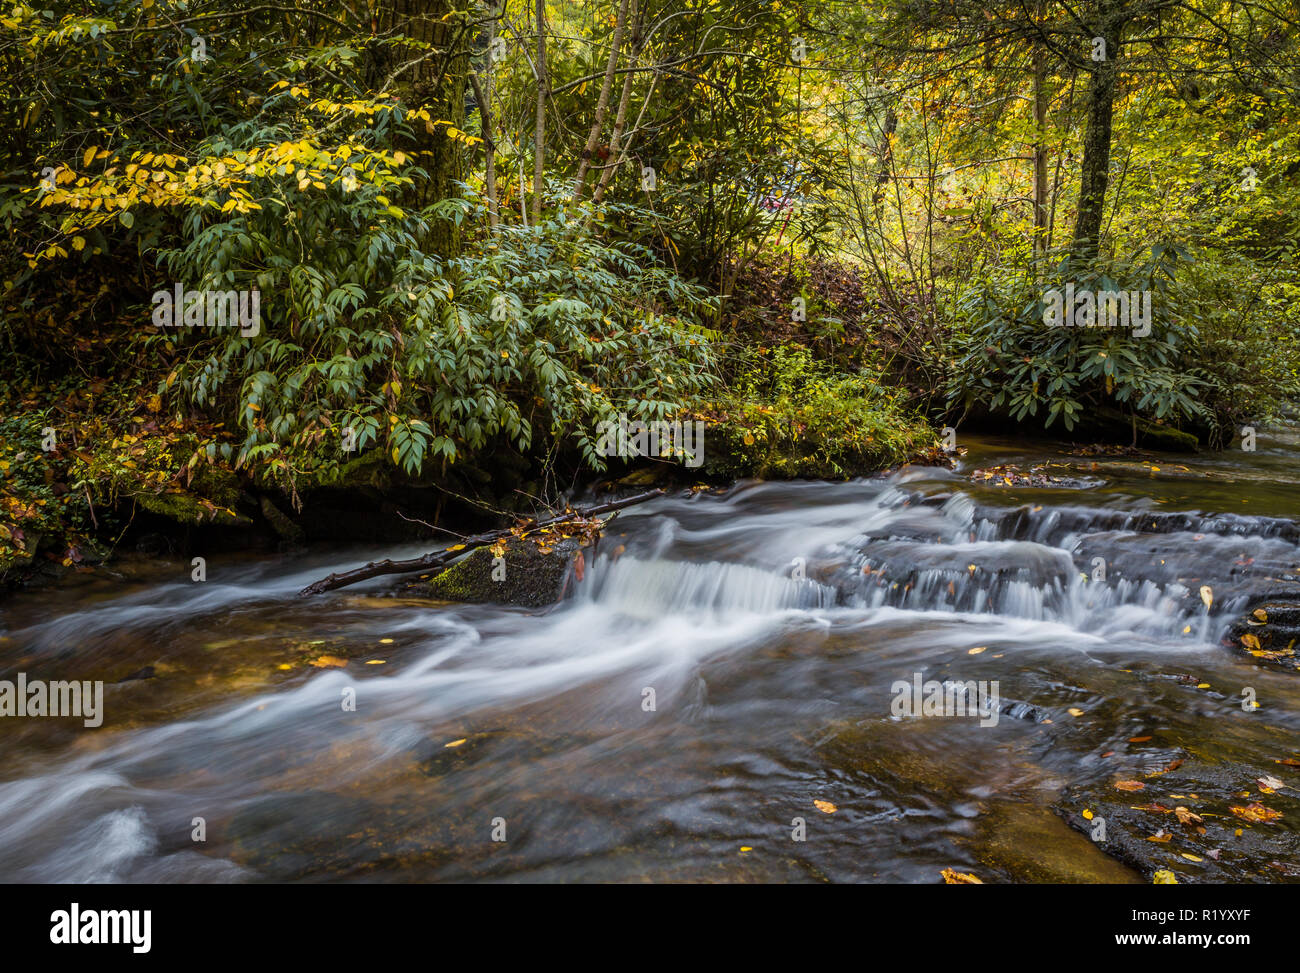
(489, 148)
(1096, 144)
(1040, 150)
(620, 118)
(602, 104)
(539, 131)
(484, 99)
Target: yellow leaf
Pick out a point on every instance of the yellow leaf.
(1164, 877)
(1074, 711)
(456, 547)
(1249, 641)
(1087, 815)
(954, 877)
(826, 807)
(1260, 614)
(454, 743)
(88, 156)
(977, 650)
(1192, 858)
(1207, 595)
(376, 662)
(385, 641)
(78, 243)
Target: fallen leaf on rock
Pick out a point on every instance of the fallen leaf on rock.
(1269, 784)
(1249, 641)
(1255, 812)
(1074, 711)
(1187, 817)
(1129, 785)
(1192, 858)
(1260, 614)
(1138, 739)
(1162, 836)
(953, 877)
(1164, 877)
(454, 743)
(329, 661)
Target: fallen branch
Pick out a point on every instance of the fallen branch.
(437, 559)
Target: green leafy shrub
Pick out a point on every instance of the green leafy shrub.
(1009, 362)
(532, 334)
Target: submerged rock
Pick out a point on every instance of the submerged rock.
(1204, 820)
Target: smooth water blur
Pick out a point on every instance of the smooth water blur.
(767, 626)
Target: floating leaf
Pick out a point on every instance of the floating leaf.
(454, 743)
(1129, 785)
(1207, 595)
(826, 807)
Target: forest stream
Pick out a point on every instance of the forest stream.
(722, 671)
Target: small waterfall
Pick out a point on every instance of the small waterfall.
(650, 588)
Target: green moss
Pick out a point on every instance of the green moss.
(532, 578)
(185, 508)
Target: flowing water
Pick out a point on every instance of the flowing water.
(727, 661)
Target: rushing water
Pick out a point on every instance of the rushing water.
(770, 622)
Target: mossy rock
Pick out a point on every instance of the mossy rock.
(185, 508)
(526, 576)
(810, 455)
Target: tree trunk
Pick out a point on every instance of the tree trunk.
(1096, 144)
(620, 118)
(539, 131)
(437, 84)
(484, 99)
(602, 104)
(1040, 150)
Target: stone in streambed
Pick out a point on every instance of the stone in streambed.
(524, 575)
